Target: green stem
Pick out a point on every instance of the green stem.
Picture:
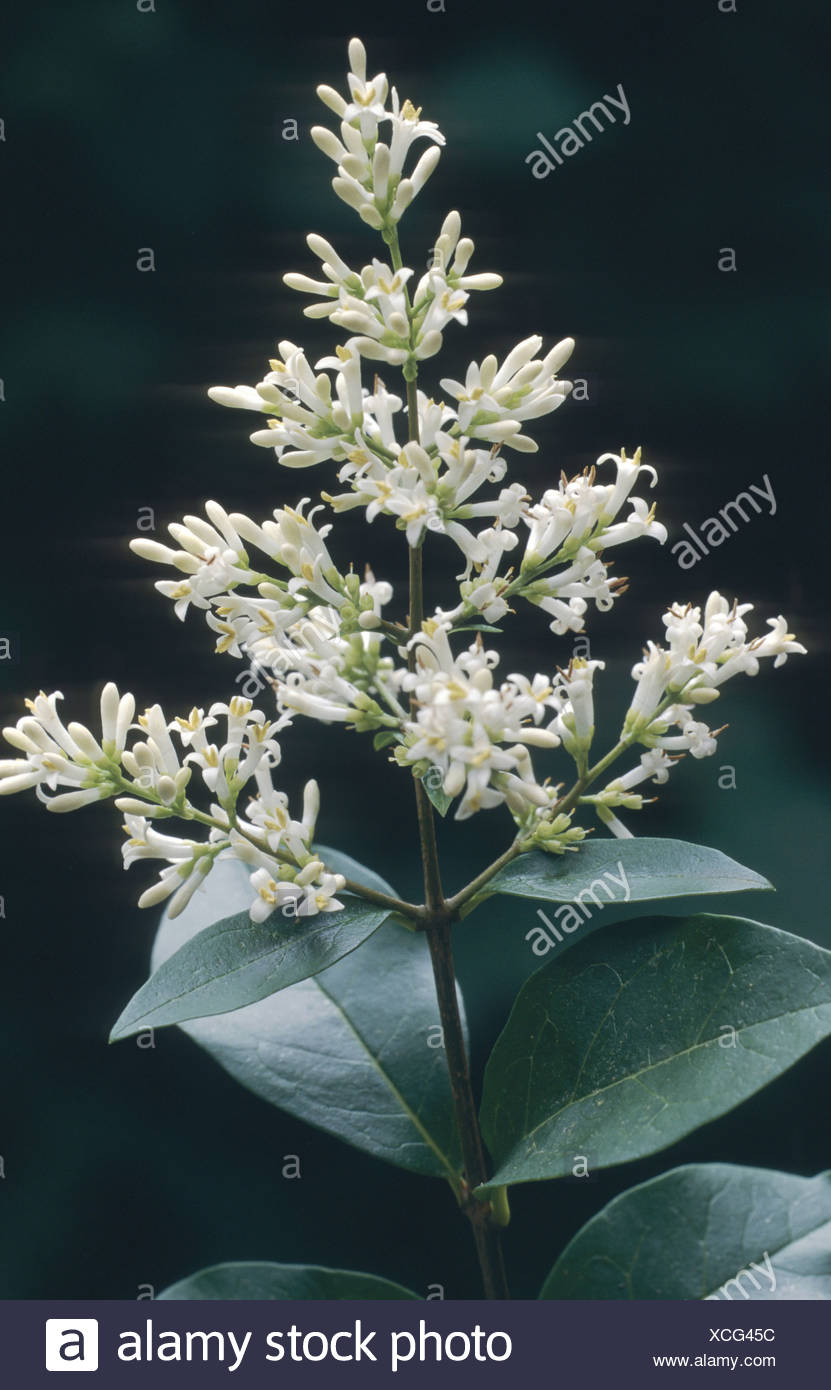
(460, 899)
(568, 802)
(372, 895)
(486, 1233)
(563, 806)
(424, 810)
(411, 911)
(437, 920)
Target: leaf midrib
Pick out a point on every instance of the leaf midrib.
(635, 1076)
(452, 1176)
(237, 970)
(755, 884)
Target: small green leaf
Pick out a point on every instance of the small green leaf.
(643, 1032)
(432, 784)
(710, 1231)
(260, 1280)
(384, 739)
(235, 962)
(355, 1051)
(623, 871)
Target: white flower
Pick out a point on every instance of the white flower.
(610, 820)
(493, 400)
(290, 538)
(366, 107)
(293, 540)
(58, 756)
(701, 657)
(382, 306)
(370, 175)
(654, 765)
(145, 842)
(326, 665)
(571, 526)
(428, 488)
(178, 883)
(308, 424)
(302, 900)
(696, 737)
(476, 734)
(211, 558)
(575, 719)
(578, 514)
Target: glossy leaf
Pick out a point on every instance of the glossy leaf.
(623, 871)
(710, 1231)
(354, 1050)
(235, 962)
(260, 1280)
(642, 1033)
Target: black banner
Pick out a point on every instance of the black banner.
(398, 1343)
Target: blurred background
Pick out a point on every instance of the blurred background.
(131, 128)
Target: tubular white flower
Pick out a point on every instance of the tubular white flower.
(701, 657)
(73, 801)
(210, 555)
(575, 718)
(370, 171)
(57, 756)
(610, 820)
(474, 733)
(571, 526)
(493, 400)
(238, 397)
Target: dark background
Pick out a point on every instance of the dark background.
(126, 130)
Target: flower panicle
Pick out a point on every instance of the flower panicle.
(320, 635)
(149, 777)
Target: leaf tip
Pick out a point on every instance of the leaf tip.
(122, 1028)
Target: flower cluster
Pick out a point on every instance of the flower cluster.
(218, 577)
(437, 465)
(424, 484)
(150, 780)
(475, 733)
(674, 681)
(374, 303)
(561, 571)
(370, 175)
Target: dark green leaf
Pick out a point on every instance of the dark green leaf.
(235, 962)
(354, 1050)
(261, 1280)
(642, 1033)
(710, 1230)
(622, 871)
